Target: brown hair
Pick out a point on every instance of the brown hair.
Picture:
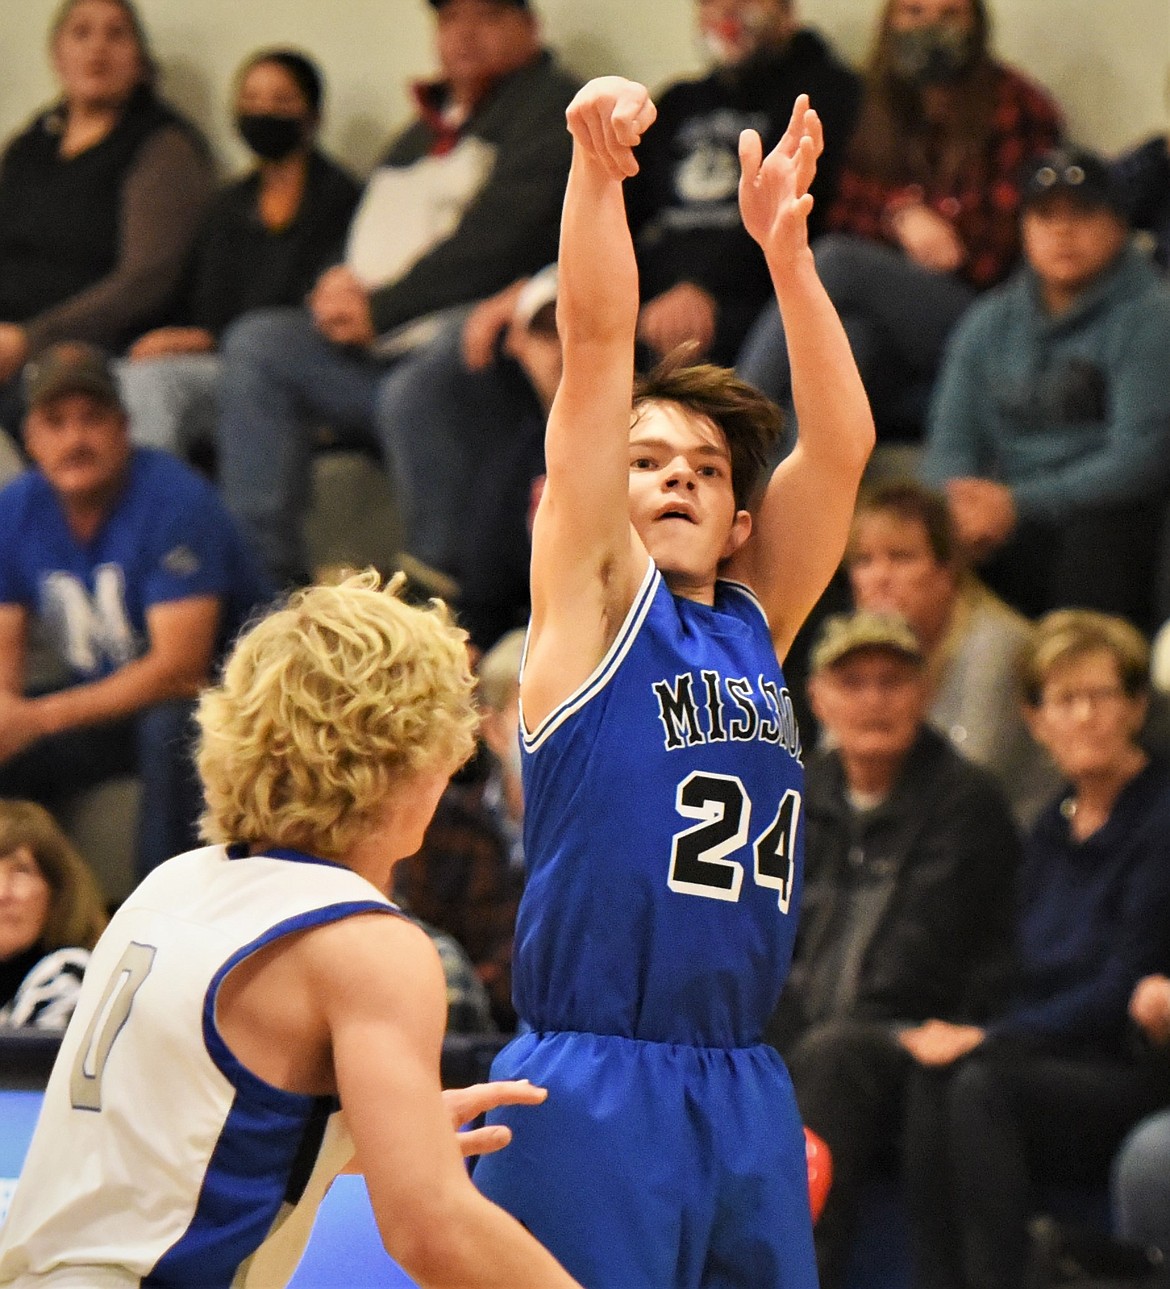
(895, 142)
(77, 914)
(750, 422)
(1068, 634)
(914, 503)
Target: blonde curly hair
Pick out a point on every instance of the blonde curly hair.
(323, 706)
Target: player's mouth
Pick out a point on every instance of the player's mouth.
(677, 511)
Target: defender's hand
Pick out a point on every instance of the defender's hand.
(607, 119)
(465, 1104)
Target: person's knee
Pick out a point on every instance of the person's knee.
(260, 335)
(1143, 1162)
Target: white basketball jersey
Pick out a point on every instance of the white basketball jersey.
(158, 1158)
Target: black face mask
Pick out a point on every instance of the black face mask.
(936, 55)
(271, 137)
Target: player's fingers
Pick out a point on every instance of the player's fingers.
(751, 154)
(484, 1141)
(633, 117)
(793, 132)
(815, 130)
(468, 1103)
(633, 113)
(805, 163)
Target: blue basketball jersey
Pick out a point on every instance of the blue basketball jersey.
(663, 832)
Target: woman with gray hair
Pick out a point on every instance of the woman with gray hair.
(1047, 1091)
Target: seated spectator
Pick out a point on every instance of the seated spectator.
(467, 200)
(1046, 1091)
(1144, 176)
(483, 392)
(1141, 1171)
(927, 203)
(910, 853)
(50, 918)
(903, 557)
(100, 197)
(128, 561)
(1050, 429)
(467, 878)
(702, 278)
(264, 240)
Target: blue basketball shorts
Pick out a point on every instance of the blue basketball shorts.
(655, 1165)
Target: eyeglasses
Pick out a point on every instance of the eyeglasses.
(1069, 176)
(1066, 701)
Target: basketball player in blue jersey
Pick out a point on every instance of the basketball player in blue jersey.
(661, 757)
(257, 1008)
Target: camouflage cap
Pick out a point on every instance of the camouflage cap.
(845, 633)
(70, 367)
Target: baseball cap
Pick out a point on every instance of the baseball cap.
(70, 367)
(1075, 173)
(845, 633)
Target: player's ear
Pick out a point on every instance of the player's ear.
(741, 530)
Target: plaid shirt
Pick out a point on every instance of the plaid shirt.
(983, 204)
(463, 882)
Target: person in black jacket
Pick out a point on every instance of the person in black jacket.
(100, 197)
(910, 855)
(263, 243)
(703, 279)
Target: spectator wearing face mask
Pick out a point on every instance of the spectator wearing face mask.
(927, 207)
(265, 240)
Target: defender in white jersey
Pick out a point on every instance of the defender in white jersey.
(258, 1009)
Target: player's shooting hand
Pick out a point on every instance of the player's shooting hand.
(774, 198)
(466, 1104)
(607, 119)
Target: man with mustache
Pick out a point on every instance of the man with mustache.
(128, 563)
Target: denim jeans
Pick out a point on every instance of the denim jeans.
(1141, 1183)
(173, 403)
(282, 382)
(155, 744)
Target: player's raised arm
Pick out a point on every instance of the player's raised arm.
(585, 561)
(803, 521)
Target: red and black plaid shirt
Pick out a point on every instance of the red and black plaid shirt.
(463, 882)
(983, 205)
